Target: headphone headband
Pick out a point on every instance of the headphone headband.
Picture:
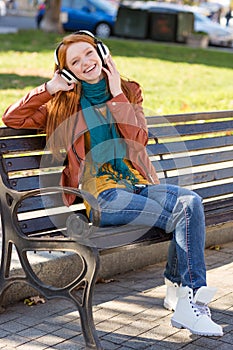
(101, 48)
(85, 32)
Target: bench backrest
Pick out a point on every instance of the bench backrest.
(191, 150)
(196, 151)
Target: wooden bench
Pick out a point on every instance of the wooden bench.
(191, 150)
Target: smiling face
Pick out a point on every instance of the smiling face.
(83, 60)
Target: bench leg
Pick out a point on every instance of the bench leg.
(84, 305)
(5, 279)
(84, 282)
(87, 323)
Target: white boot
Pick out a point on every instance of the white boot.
(193, 313)
(171, 298)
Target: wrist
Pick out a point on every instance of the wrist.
(50, 87)
(116, 93)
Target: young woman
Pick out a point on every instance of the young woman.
(89, 110)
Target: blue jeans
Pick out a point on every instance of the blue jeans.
(171, 208)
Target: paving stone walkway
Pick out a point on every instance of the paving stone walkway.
(128, 314)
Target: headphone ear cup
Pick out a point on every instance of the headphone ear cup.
(55, 54)
(65, 73)
(103, 51)
(68, 76)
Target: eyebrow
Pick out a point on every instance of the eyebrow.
(77, 57)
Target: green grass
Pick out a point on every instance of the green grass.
(174, 78)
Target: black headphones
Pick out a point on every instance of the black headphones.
(102, 51)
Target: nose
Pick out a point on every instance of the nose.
(85, 61)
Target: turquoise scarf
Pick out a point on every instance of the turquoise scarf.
(106, 144)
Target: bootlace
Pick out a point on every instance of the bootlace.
(201, 309)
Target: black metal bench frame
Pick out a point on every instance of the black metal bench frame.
(177, 143)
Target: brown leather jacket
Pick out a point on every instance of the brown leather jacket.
(31, 112)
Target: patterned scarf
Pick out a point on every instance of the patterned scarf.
(107, 147)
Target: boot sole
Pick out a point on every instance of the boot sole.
(180, 326)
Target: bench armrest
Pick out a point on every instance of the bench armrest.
(81, 224)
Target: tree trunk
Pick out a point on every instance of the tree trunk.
(51, 20)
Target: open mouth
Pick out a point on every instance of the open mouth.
(89, 69)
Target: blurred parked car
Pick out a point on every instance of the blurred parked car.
(2, 8)
(215, 10)
(218, 35)
(98, 16)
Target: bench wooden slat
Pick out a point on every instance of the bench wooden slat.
(215, 190)
(22, 163)
(46, 201)
(40, 202)
(199, 178)
(7, 132)
(207, 160)
(32, 161)
(220, 205)
(219, 211)
(24, 144)
(221, 217)
(108, 239)
(191, 129)
(189, 145)
(188, 117)
(194, 160)
(34, 182)
(44, 223)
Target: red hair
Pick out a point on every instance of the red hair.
(65, 104)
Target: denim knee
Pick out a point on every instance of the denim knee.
(188, 203)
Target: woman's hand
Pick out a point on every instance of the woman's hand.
(57, 83)
(113, 75)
